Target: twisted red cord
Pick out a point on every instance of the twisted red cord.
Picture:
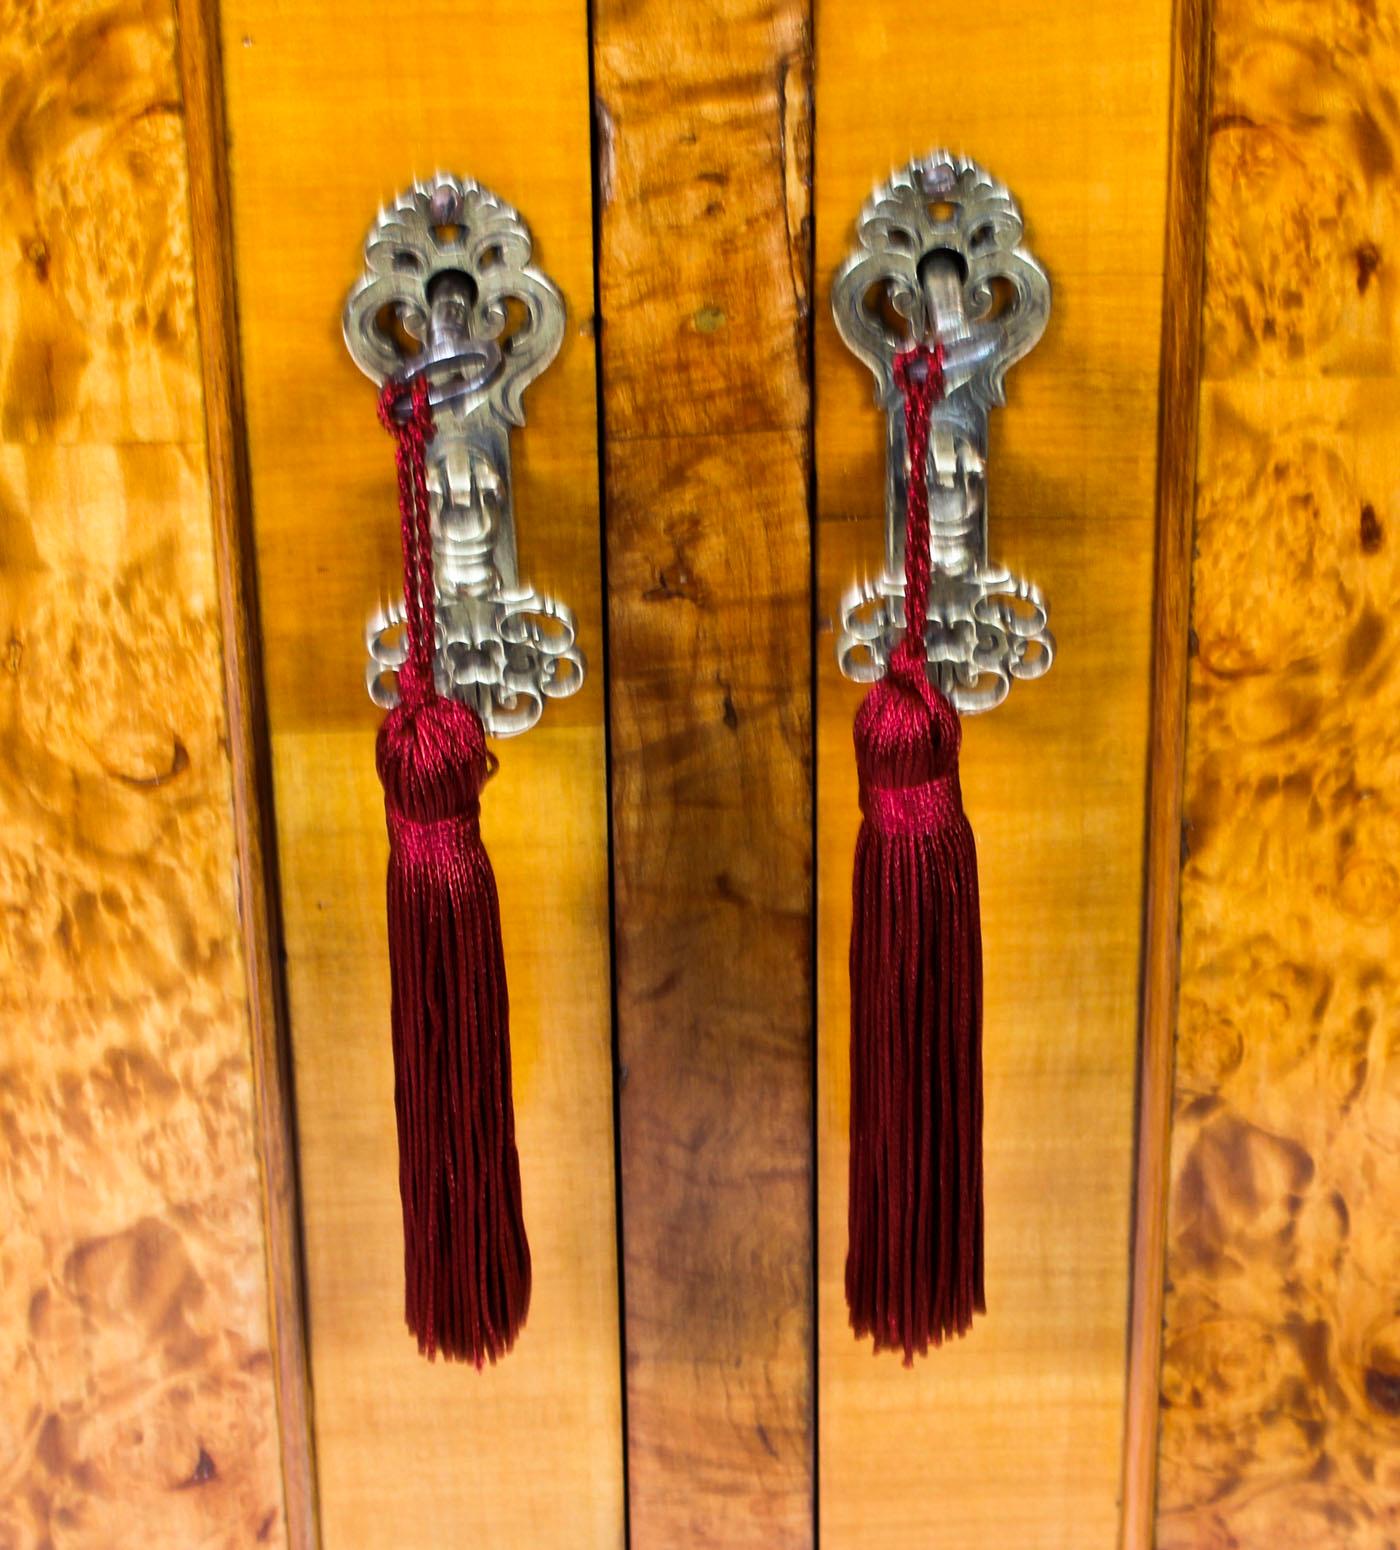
(918, 374)
(407, 415)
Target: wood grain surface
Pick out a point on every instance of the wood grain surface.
(1013, 1435)
(1178, 419)
(331, 110)
(704, 139)
(1280, 1419)
(139, 1401)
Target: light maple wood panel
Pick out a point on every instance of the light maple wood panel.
(331, 109)
(138, 1404)
(1013, 1435)
(1280, 1382)
(704, 257)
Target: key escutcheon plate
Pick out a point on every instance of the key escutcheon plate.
(939, 260)
(449, 290)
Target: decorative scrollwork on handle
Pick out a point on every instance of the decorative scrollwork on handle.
(505, 658)
(939, 260)
(448, 258)
(943, 204)
(982, 631)
(449, 292)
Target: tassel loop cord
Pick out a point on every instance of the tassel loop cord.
(918, 374)
(406, 414)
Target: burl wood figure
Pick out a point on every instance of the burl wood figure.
(137, 1403)
(1281, 1359)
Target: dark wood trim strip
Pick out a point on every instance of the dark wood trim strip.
(704, 280)
(1179, 408)
(201, 79)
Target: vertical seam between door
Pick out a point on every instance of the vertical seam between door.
(1178, 413)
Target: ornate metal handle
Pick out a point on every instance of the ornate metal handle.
(448, 290)
(939, 260)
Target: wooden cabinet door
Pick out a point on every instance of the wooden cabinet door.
(1185, 830)
(331, 111)
(1013, 1434)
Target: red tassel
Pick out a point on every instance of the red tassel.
(914, 1270)
(466, 1258)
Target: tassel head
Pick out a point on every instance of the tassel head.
(906, 733)
(431, 755)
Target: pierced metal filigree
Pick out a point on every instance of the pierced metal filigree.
(448, 291)
(940, 261)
